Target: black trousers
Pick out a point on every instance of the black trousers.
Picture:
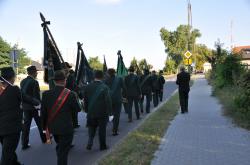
(160, 94)
(63, 145)
(75, 118)
(28, 116)
(183, 97)
(9, 145)
(148, 100)
(134, 100)
(101, 124)
(116, 110)
(156, 98)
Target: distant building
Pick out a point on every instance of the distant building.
(206, 67)
(244, 51)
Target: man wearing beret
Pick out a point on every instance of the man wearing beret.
(10, 117)
(57, 106)
(30, 88)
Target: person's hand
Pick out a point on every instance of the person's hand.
(111, 118)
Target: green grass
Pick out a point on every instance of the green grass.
(139, 146)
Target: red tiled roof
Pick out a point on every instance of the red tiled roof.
(237, 49)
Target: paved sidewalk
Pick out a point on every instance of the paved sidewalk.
(203, 136)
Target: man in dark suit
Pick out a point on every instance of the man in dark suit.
(30, 88)
(57, 106)
(156, 88)
(70, 84)
(183, 79)
(10, 117)
(161, 83)
(98, 107)
(146, 85)
(133, 93)
(116, 86)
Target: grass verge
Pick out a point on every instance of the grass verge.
(139, 146)
(226, 96)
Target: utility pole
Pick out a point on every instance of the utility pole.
(231, 34)
(190, 22)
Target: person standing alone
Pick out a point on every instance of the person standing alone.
(183, 79)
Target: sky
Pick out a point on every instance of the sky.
(132, 26)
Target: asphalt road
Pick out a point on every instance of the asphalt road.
(40, 154)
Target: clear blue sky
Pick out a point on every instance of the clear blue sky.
(105, 26)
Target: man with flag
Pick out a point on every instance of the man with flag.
(57, 106)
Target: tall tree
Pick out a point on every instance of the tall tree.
(5, 49)
(134, 64)
(177, 43)
(202, 51)
(95, 63)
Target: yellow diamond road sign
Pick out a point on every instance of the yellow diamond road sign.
(188, 54)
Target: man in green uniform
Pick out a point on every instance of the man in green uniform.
(161, 83)
(30, 88)
(183, 79)
(116, 87)
(133, 93)
(156, 88)
(57, 106)
(98, 107)
(146, 85)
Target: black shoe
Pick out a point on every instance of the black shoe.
(130, 120)
(89, 147)
(141, 111)
(104, 148)
(77, 126)
(138, 118)
(182, 112)
(115, 133)
(72, 145)
(25, 147)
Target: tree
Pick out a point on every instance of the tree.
(177, 43)
(217, 56)
(95, 63)
(134, 64)
(4, 53)
(170, 67)
(5, 60)
(200, 55)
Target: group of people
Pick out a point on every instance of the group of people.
(56, 113)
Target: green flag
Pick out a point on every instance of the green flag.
(121, 69)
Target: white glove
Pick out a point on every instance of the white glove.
(38, 106)
(111, 118)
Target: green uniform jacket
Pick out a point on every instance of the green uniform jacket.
(97, 95)
(132, 85)
(62, 123)
(116, 86)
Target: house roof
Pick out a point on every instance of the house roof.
(238, 49)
